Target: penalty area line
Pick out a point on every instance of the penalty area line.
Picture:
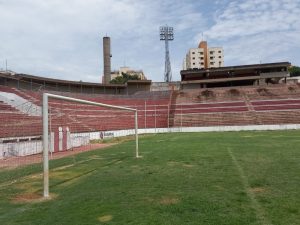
(260, 214)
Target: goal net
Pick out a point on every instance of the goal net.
(73, 124)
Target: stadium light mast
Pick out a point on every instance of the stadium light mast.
(166, 34)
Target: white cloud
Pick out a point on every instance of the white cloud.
(258, 30)
(63, 39)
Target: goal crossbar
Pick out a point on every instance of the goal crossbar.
(46, 97)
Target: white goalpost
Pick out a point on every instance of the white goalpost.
(46, 97)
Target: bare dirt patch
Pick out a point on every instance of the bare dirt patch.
(173, 163)
(14, 162)
(257, 190)
(188, 165)
(105, 218)
(168, 200)
(31, 198)
(63, 167)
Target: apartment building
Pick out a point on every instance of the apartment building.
(204, 57)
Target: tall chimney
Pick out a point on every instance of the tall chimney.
(106, 60)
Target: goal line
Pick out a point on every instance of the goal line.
(46, 97)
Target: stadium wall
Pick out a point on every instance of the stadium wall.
(20, 148)
(123, 133)
(36, 83)
(79, 139)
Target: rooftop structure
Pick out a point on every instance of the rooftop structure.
(34, 83)
(243, 75)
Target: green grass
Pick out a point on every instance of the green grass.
(236, 178)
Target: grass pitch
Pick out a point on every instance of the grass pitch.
(236, 178)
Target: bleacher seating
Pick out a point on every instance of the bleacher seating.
(278, 104)
(17, 124)
(152, 112)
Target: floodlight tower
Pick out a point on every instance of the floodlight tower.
(166, 34)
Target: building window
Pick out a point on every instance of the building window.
(211, 57)
(193, 57)
(220, 51)
(212, 63)
(193, 52)
(220, 57)
(194, 64)
(202, 63)
(211, 52)
(202, 58)
(201, 53)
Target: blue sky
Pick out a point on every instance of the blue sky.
(63, 39)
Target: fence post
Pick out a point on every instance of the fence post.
(45, 146)
(168, 116)
(136, 134)
(155, 119)
(181, 118)
(145, 114)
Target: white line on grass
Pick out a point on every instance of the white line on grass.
(260, 214)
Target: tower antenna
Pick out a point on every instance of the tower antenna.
(166, 34)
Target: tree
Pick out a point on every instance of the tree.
(294, 71)
(124, 78)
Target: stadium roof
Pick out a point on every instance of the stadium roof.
(38, 79)
(241, 72)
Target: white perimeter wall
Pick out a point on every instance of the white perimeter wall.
(79, 139)
(20, 148)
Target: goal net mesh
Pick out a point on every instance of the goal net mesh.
(76, 126)
(72, 127)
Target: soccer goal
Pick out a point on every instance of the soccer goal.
(73, 123)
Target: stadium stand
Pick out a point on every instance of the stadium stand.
(276, 104)
(147, 104)
(230, 106)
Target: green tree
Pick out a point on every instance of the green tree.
(124, 78)
(294, 71)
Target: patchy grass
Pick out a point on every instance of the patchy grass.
(105, 218)
(115, 140)
(249, 178)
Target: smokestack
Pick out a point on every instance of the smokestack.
(106, 60)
